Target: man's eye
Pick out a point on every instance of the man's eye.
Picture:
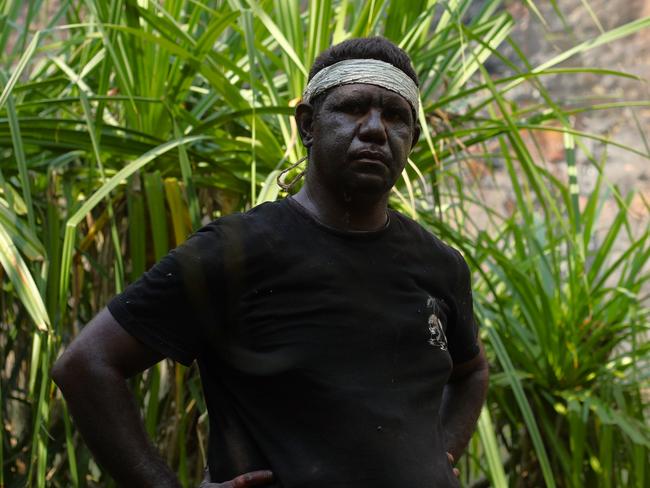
(391, 115)
(350, 108)
(395, 115)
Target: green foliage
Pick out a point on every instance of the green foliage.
(124, 123)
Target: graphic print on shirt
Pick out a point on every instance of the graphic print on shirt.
(438, 338)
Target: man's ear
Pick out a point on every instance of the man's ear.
(416, 134)
(304, 120)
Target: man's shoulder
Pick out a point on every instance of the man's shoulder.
(257, 218)
(428, 246)
(262, 226)
(234, 228)
(422, 236)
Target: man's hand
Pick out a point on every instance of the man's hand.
(451, 461)
(254, 478)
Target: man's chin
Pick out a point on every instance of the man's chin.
(367, 185)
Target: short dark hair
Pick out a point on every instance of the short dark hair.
(366, 48)
(362, 48)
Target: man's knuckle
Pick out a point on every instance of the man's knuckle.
(240, 481)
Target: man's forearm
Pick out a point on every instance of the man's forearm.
(462, 401)
(105, 413)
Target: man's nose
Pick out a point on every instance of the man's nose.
(372, 128)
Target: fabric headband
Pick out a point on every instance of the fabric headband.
(368, 71)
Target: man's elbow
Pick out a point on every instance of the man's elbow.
(65, 369)
(74, 369)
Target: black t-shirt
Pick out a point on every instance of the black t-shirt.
(323, 354)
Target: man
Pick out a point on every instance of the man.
(335, 337)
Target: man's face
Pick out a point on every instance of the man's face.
(359, 139)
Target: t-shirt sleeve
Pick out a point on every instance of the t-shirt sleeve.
(462, 333)
(169, 308)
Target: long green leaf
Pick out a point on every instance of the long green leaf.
(22, 280)
(99, 195)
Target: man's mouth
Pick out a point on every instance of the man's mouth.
(369, 156)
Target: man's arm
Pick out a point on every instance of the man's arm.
(462, 400)
(92, 375)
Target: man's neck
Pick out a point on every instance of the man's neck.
(344, 212)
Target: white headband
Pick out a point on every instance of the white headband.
(368, 71)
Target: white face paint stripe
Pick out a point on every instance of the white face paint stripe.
(368, 71)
